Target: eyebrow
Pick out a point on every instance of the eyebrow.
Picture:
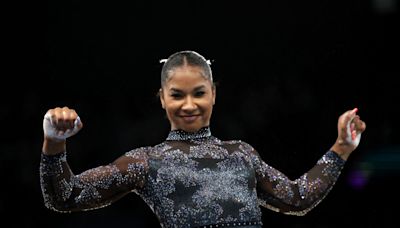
(195, 89)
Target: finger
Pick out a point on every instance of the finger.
(50, 116)
(352, 126)
(348, 116)
(353, 131)
(71, 119)
(58, 117)
(352, 114)
(60, 133)
(361, 126)
(68, 118)
(63, 119)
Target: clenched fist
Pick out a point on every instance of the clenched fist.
(61, 123)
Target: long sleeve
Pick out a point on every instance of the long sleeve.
(95, 188)
(277, 192)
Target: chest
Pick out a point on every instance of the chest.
(211, 172)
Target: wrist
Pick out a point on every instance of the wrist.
(53, 146)
(342, 149)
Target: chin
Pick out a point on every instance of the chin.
(190, 127)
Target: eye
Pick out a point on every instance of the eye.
(176, 95)
(199, 93)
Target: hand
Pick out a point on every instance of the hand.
(350, 127)
(61, 123)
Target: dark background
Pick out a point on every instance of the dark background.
(285, 71)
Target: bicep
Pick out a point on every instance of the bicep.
(93, 188)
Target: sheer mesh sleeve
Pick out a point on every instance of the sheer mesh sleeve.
(95, 188)
(277, 192)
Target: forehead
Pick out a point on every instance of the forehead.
(186, 76)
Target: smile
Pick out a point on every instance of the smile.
(190, 118)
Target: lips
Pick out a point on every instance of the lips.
(190, 118)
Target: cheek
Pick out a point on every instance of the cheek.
(171, 107)
(207, 104)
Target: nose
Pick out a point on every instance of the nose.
(189, 104)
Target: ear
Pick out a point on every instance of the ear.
(161, 94)
(214, 94)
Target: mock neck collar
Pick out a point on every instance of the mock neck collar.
(184, 135)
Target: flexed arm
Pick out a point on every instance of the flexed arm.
(296, 197)
(98, 187)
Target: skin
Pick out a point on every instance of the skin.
(350, 126)
(188, 98)
(63, 119)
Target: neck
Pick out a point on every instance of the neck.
(184, 135)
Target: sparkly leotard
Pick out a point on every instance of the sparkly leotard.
(191, 180)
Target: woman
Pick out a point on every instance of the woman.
(191, 179)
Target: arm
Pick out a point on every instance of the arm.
(297, 197)
(62, 190)
(95, 188)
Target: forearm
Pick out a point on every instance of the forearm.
(94, 188)
(315, 185)
(303, 194)
(65, 192)
(55, 180)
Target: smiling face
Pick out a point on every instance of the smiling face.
(188, 98)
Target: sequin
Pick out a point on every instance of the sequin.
(191, 180)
